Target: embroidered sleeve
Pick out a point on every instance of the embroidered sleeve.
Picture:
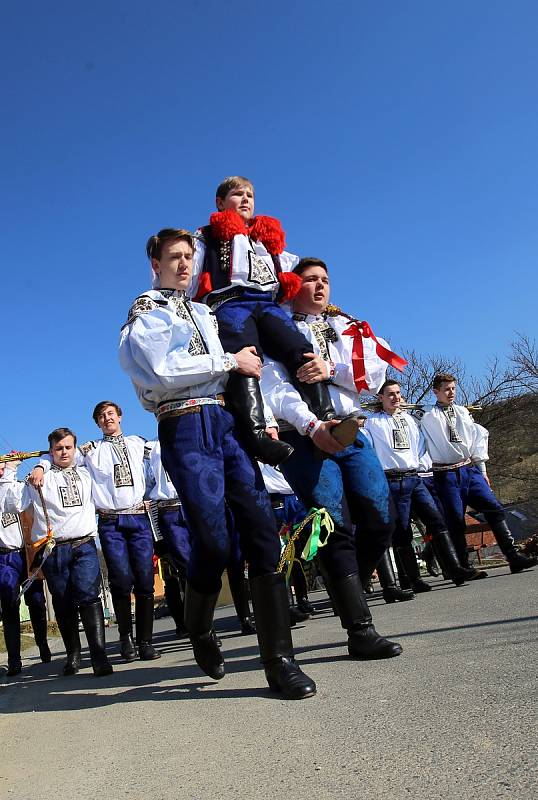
(141, 305)
(86, 448)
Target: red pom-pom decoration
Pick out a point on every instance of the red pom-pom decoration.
(268, 230)
(227, 224)
(290, 283)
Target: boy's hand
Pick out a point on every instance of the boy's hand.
(314, 371)
(272, 433)
(324, 440)
(248, 362)
(36, 477)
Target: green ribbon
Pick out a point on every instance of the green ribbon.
(321, 520)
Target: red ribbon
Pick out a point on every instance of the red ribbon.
(359, 330)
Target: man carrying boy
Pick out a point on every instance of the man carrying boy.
(240, 270)
(171, 350)
(458, 449)
(63, 510)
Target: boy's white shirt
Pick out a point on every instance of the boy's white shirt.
(437, 434)
(382, 431)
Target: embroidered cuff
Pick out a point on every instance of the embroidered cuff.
(481, 466)
(331, 370)
(311, 427)
(230, 362)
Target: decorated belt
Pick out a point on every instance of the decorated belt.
(5, 550)
(216, 300)
(176, 408)
(76, 542)
(446, 467)
(106, 513)
(398, 474)
(168, 503)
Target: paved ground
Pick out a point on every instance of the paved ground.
(454, 716)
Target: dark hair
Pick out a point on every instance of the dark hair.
(154, 245)
(233, 182)
(304, 263)
(443, 377)
(388, 382)
(100, 407)
(60, 433)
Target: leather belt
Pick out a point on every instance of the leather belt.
(105, 513)
(168, 504)
(5, 550)
(75, 542)
(399, 474)
(176, 408)
(446, 467)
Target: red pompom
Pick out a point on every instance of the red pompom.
(204, 286)
(227, 224)
(290, 283)
(268, 230)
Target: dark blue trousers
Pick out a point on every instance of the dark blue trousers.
(13, 573)
(352, 486)
(73, 575)
(459, 488)
(256, 320)
(127, 543)
(410, 493)
(176, 536)
(292, 511)
(209, 469)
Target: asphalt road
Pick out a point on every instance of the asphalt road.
(454, 716)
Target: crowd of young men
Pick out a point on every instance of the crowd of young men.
(234, 380)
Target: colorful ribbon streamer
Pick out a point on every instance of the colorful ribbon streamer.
(359, 330)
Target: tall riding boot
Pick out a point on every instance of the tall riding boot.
(174, 601)
(318, 399)
(67, 620)
(301, 590)
(391, 591)
(429, 557)
(239, 590)
(449, 557)
(517, 560)
(363, 640)
(12, 636)
(93, 622)
(124, 618)
(199, 611)
(271, 611)
(144, 627)
(408, 571)
(38, 618)
(245, 400)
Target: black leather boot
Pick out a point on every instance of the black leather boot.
(123, 613)
(391, 591)
(244, 399)
(144, 610)
(271, 611)
(67, 621)
(364, 642)
(449, 557)
(199, 611)
(429, 557)
(174, 601)
(93, 623)
(239, 591)
(12, 637)
(38, 618)
(517, 560)
(408, 571)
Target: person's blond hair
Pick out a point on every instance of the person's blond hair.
(232, 182)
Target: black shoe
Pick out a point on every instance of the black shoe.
(13, 668)
(518, 561)
(296, 615)
(44, 653)
(72, 664)
(428, 556)
(272, 614)
(127, 648)
(146, 652)
(472, 574)
(393, 594)
(418, 586)
(304, 605)
(369, 587)
(245, 400)
(93, 623)
(365, 643)
(248, 626)
(181, 633)
(285, 676)
(346, 431)
(207, 654)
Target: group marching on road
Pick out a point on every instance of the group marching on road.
(244, 362)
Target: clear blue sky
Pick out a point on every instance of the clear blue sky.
(396, 140)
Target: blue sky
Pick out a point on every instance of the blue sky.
(396, 140)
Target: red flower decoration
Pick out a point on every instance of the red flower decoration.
(290, 283)
(268, 230)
